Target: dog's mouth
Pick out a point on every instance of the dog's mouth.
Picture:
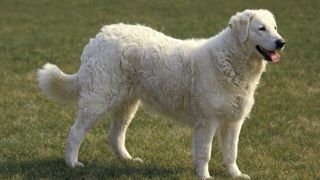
(272, 56)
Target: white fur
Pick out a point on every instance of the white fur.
(57, 85)
(208, 84)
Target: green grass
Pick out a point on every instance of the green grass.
(281, 140)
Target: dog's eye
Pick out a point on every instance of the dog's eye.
(262, 29)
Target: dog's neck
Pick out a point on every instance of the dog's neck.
(234, 61)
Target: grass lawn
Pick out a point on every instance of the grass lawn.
(281, 140)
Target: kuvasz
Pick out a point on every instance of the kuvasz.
(207, 84)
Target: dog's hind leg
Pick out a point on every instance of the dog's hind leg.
(90, 110)
(121, 120)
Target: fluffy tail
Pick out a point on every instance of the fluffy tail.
(57, 85)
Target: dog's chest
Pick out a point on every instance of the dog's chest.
(234, 108)
(226, 106)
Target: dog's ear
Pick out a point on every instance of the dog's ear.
(240, 23)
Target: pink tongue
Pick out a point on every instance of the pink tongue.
(274, 56)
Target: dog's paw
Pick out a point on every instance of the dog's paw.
(243, 176)
(75, 165)
(234, 171)
(137, 160)
(205, 178)
(79, 164)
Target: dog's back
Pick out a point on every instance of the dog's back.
(133, 60)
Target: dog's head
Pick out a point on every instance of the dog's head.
(258, 29)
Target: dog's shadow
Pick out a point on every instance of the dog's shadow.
(56, 169)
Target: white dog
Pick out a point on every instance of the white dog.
(208, 84)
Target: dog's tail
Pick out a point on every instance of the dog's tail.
(57, 85)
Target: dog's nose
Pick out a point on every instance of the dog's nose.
(280, 43)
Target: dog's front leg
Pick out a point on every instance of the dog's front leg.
(202, 141)
(228, 140)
